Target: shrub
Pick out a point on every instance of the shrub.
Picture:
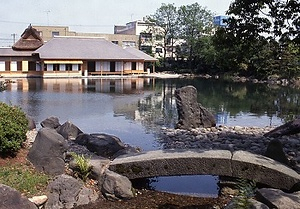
(13, 128)
(83, 165)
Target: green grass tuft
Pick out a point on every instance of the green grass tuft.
(24, 179)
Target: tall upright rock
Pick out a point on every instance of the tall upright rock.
(192, 114)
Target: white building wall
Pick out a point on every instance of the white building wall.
(49, 67)
(75, 67)
(62, 67)
(106, 66)
(2, 66)
(140, 66)
(13, 66)
(38, 67)
(24, 66)
(127, 65)
(119, 66)
(98, 66)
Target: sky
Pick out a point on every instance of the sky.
(97, 16)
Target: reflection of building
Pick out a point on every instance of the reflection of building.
(77, 85)
(70, 56)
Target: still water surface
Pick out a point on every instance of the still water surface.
(135, 109)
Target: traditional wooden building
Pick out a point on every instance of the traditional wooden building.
(70, 57)
(19, 61)
(77, 56)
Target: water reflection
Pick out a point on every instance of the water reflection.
(150, 103)
(73, 85)
(135, 109)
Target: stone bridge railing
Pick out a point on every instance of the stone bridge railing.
(238, 164)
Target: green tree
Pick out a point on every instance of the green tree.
(165, 26)
(195, 22)
(261, 38)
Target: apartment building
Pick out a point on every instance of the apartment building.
(123, 40)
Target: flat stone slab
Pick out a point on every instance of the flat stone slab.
(173, 162)
(264, 170)
(239, 164)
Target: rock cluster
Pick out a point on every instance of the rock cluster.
(51, 151)
(234, 138)
(252, 139)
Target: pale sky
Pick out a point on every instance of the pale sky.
(83, 15)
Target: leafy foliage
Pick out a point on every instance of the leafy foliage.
(261, 39)
(84, 168)
(165, 25)
(13, 128)
(195, 22)
(246, 190)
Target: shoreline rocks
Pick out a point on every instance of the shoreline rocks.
(233, 138)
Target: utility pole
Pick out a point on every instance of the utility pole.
(14, 35)
(47, 16)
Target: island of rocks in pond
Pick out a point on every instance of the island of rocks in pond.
(52, 147)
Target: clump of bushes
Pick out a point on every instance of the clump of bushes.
(83, 166)
(13, 128)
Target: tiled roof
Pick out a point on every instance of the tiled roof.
(141, 54)
(84, 48)
(9, 52)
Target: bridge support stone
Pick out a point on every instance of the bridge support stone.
(239, 164)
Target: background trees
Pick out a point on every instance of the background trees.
(195, 23)
(261, 38)
(186, 25)
(165, 26)
(263, 34)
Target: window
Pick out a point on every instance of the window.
(55, 67)
(133, 66)
(19, 66)
(7, 65)
(145, 37)
(129, 43)
(55, 33)
(158, 50)
(115, 42)
(146, 49)
(68, 67)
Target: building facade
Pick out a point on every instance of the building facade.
(221, 20)
(123, 40)
(71, 56)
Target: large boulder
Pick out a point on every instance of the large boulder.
(101, 144)
(12, 199)
(116, 186)
(289, 128)
(191, 114)
(67, 192)
(31, 123)
(275, 198)
(47, 152)
(68, 130)
(275, 152)
(51, 122)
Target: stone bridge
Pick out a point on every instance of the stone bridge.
(239, 164)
